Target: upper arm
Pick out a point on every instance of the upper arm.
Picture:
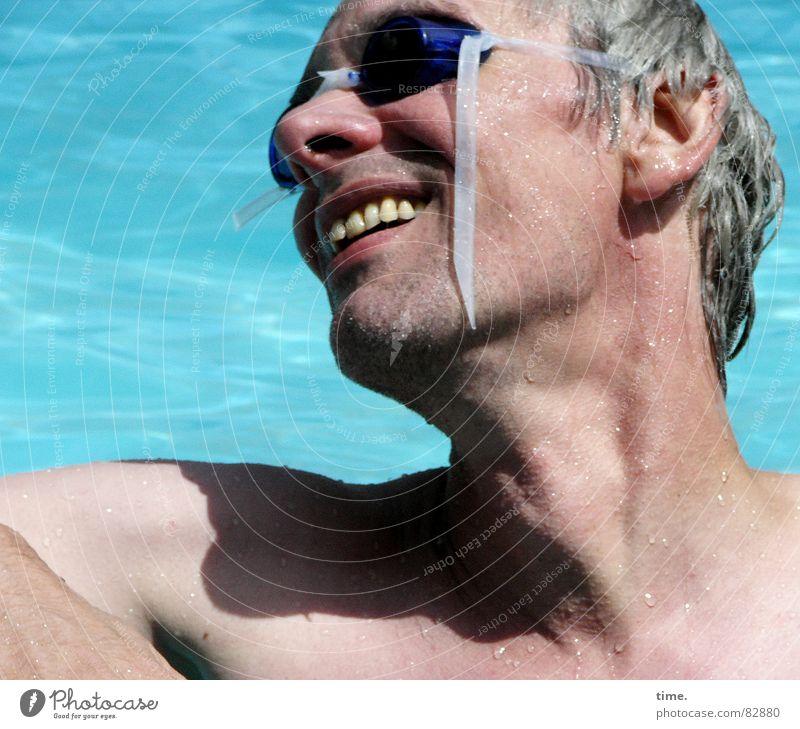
(99, 526)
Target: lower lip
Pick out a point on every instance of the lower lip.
(358, 251)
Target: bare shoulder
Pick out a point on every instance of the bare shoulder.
(154, 501)
(775, 561)
(781, 490)
(120, 497)
(96, 524)
(263, 496)
(134, 537)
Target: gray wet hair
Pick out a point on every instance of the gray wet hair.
(740, 190)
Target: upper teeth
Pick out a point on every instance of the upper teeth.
(381, 210)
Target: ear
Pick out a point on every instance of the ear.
(672, 147)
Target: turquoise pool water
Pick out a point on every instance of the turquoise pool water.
(141, 325)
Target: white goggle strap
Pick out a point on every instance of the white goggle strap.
(587, 57)
(265, 201)
(469, 62)
(340, 78)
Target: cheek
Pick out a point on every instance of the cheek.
(426, 118)
(305, 234)
(546, 212)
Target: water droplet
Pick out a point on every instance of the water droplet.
(619, 647)
(724, 477)
(649, 600)
(686, 606)
(531, 649)
(499, 652)
(652, 540)
(568, 310)
(517, 664)
(720, 499)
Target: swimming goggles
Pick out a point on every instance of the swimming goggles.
(408, 55)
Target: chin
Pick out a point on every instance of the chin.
(398, 340)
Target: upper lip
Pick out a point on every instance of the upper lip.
(339, 204)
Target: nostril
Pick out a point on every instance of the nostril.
(327, 143)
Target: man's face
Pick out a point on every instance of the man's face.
(547, 191)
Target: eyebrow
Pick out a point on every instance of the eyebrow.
(308, 85)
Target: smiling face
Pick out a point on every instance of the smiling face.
(376, 216)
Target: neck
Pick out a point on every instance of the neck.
(584, 463)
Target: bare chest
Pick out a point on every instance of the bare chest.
(326, 646)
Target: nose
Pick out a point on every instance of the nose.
(322, 134)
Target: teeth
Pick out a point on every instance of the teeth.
(371, 215)
(388, 210)
(384, 210)
(405, 211)
(355, 224)
(338, 231)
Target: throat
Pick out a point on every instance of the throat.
(513, 576)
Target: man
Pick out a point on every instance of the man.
(597, 519)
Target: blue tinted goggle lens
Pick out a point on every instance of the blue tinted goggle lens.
(280, 166)
(407, 55)
(403, 57)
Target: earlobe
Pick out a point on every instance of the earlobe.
(680, 137)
